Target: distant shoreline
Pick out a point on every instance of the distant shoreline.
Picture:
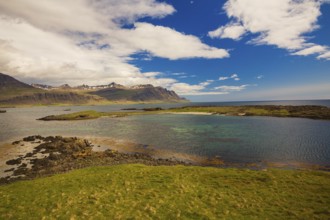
(304, 111)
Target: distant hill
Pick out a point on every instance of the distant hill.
(50, 98)
(141, 93)
(11, 87)
(14, 92)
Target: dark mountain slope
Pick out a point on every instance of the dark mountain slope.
(10, 87)
(48, 98)
(14, 92)
(138, 94)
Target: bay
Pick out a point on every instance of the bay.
(233, 139)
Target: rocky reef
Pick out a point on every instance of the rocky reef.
(60, 154)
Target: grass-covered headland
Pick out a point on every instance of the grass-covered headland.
(306, 111)
(169, 192)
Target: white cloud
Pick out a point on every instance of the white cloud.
(152, 74)
(199, 89)
(233, 76)
(221, 78)
(282, 23)
(83, 15)
(233, 31)
(310, 50)
(260, 77)
(206, 83)
(325, 55)
(166, 42)
(186, 89)
(231, 88)
(178, 74)
(82, 41)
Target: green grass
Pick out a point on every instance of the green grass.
(313, 112)
(263, 110)
(76, 116)
(12, 92)
(86, 115)
(143, 192)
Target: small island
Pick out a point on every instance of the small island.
(305, 111)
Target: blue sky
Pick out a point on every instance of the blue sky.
(205, 50)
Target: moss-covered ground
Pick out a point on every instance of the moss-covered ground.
(164, 192)
(313, 112)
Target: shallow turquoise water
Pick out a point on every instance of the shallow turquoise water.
(234, 139)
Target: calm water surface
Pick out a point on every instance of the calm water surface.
(234, 139)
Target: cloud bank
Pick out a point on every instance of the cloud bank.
(92, 41)
(283, 23)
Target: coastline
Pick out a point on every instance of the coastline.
(65, 173)
(304, 111)
(36, 156)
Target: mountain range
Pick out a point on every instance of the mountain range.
(15, 92)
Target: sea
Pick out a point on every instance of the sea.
(234, 139)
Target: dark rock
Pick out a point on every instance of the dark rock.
(9, 170)
(29, 138)
(110, 153)
(44, 162)
(16, 142)
(54, 156)
(67, 153)
(129, 109)
(23, 165)
(14, 161)
(49, 139)
(20, 171)
(67, 140)
(152, 109)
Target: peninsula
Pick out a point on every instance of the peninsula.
(306, 111)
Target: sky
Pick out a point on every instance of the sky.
(205, 50)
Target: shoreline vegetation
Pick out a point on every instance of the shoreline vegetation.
(68, 179)
(304, 111)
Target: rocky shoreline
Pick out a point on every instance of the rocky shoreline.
(59, 154)
(46, 156)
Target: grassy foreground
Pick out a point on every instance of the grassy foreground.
(179, 192)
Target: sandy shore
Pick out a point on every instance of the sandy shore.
(189, 113)
(36, 156)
